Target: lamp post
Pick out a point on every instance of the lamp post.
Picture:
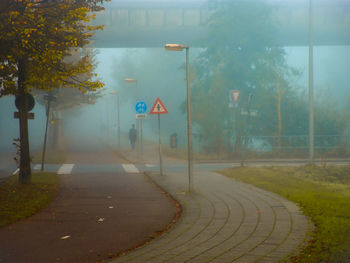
(118, 115)
(179, 47)
(311, 88)
(131, 80)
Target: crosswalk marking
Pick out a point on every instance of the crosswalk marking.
(149, 165)
(130, 168)
(65, 168)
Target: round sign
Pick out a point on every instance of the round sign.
(30, 101)
(141, 107)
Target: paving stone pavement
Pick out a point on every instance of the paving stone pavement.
(224, 221)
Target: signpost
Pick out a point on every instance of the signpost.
(141, 109)
(30, 105)
(159, 108)
(49, 97)
(141, 116)
(235, 95)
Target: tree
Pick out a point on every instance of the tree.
(36, 37)
(67, 99)
(240, 54)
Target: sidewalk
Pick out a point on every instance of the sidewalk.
(223, 221)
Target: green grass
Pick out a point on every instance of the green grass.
(323, 193)
(22, 201)
(50, 157)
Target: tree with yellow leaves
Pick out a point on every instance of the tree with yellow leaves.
(36, 37)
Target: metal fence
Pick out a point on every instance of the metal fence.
(335, 144)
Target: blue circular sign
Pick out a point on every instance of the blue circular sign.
(141, 107)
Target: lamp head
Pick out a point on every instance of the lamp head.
(130, 80)
(175, 47)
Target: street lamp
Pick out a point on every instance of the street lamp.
(179, 47)
(131, 80)
(118, 119)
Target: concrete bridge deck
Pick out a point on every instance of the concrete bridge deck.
(152, 23)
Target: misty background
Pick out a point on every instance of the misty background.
(162, 74)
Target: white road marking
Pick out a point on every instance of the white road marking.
(130, 168)
(15, 172)
(65, 168)
(37, 166)
(150, 165)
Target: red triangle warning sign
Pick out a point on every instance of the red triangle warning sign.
(235, 95)
(158, 108)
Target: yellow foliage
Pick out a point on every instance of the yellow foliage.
(43, 43)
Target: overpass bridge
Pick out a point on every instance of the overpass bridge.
(152, 23)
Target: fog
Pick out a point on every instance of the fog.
(100, 119)
(162, 74)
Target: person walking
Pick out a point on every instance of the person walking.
(132, 136)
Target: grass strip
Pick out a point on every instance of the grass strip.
(22, 201)
(323, 193)
(53, 157)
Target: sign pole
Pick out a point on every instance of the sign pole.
(141, 109)
(141, 138)
(159, 108)
(160, 148)
(118, 105)
(47, 124)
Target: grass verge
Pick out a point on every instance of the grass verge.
(50, 157)
(22, 201)
(323, 193)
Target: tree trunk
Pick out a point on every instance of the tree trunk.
(24, 165)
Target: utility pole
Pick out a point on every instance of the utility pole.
(311, 89)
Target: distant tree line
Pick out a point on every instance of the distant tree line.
(238, 53)
(241, 54)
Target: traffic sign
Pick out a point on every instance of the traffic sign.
(235, 95)
(158, 108)
(141, 107)
(28, 97)
(141, 116)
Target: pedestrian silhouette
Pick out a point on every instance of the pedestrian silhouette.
(132, 136)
